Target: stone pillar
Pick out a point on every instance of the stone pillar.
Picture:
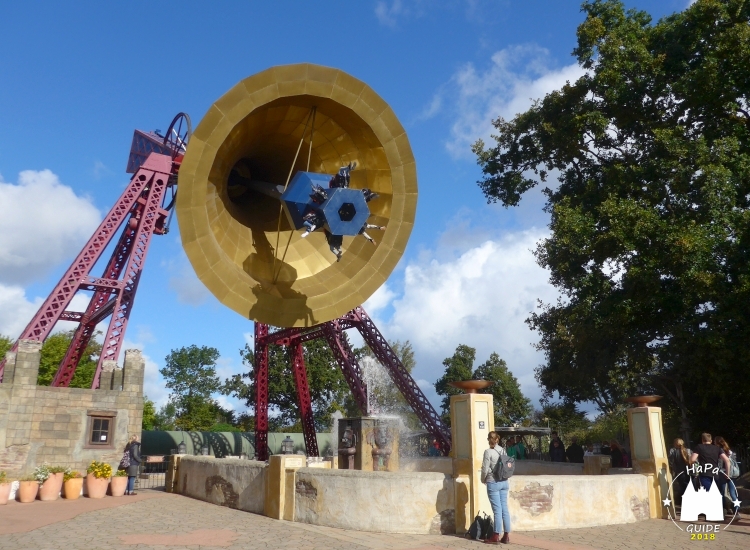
(133, 371)
(472, 419)
(105, 377)
(650, 454)
(28, 356)
(117, 377)
(280, 474)
(10, 367)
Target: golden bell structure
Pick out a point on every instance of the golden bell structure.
(269, 127)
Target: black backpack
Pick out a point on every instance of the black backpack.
(505, 467)
(481, 528)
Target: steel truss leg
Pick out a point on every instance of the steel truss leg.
(261, 391)
(152, 173)
(347, 362)
(297, 352)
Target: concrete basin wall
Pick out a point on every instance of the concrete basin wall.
(554, 502)
(230, 482)
(542, 467)
(388, 502)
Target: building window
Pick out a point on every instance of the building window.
(101, 429)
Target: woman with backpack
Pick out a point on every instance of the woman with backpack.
(734, 468)
(497, 490)
(134, 452)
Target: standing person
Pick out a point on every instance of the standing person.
(135, 462)
(497, 490)
(574, 451)
(556, 451)
(722, 443)
(604, 448)
(510, 447)
(706, 453)
(520, 448)
(589, 450)
(616, 454)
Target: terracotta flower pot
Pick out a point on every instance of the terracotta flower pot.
(117, 486)
(72, 488)
(5, 492)
(96, 488)
(50, 489)
(27, 491)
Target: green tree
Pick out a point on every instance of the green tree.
(457, 367)
(53, 352)
(650, 220)
(166, 418)
(511, 406)
(190, 372)
(149, 414)
(5, 344)
(328, 389)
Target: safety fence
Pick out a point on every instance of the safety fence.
(152, 472)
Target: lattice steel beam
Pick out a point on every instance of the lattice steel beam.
(261, 391)
(297, 353)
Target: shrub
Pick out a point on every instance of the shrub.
(121, 473)
(28, 478)
(3, 478)
(58, 469)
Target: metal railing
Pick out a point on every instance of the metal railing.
(152, 472)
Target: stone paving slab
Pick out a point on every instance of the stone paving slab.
(160, 521)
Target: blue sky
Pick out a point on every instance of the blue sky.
(75, 80)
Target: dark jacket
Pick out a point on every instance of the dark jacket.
(557, 454)
(135, 458)
(575, 453)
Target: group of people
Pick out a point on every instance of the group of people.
(315, 218)
(713, 451)
(619, 456)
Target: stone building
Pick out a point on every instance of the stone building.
(66, 426)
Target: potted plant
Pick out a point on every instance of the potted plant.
(119, 483)
(72, 484)
(97, 479)
(28, 487)
(50, 479)
(5, 485)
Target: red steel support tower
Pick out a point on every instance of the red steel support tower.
(332, 331)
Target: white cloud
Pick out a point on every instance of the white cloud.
(479, 297)
(16, 310)
(388, 14)
(42, 223)
(379, 300)
(516, 76)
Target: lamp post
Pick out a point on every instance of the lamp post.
(287, 446)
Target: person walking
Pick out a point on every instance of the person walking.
(497, 490)
(713, 455)
(679, 460)
(135, 461)
(722, 443)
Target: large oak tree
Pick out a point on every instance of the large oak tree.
(650, 226)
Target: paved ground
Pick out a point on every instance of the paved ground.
(160, 521)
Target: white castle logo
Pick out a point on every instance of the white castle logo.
(702, 502)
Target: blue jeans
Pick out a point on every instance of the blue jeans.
(720, 483)
(498, 494)
(131, 484)
(732, 491)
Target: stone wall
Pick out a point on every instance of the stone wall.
(230, 482)
(40, 424)
(387, 502)
(565, 501)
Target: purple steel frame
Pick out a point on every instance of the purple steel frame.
(141, 203)
(332, 331)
